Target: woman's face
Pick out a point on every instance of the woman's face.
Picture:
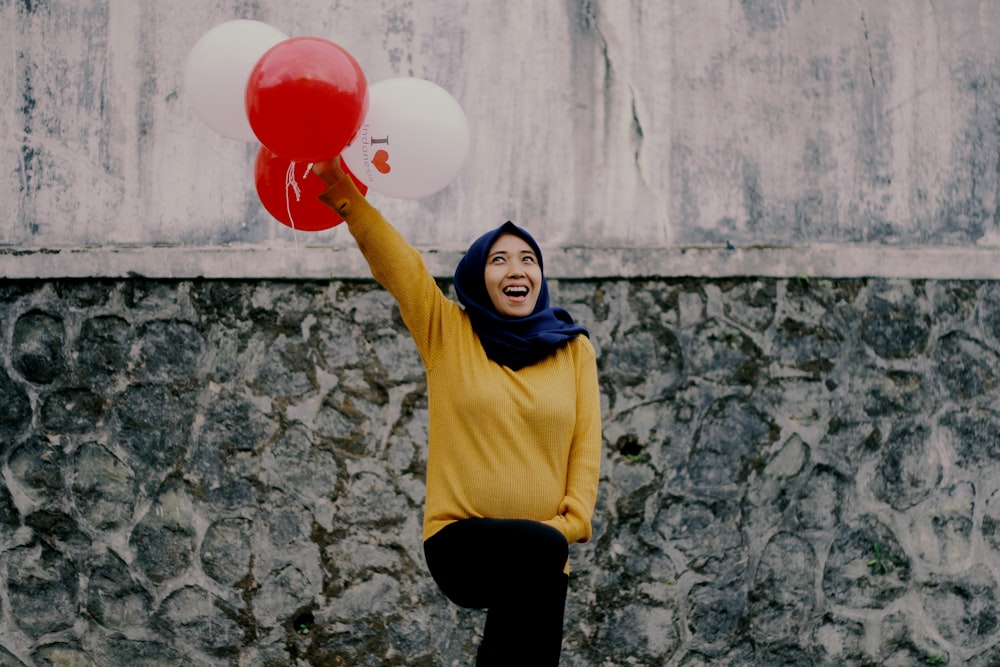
(513, 276)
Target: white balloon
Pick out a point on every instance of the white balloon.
(412, 141)
(218, 69)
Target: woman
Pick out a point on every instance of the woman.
(514, 426)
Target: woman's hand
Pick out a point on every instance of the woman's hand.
(330, 171)
(336, 198)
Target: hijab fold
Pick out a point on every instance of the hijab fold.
(514, 342)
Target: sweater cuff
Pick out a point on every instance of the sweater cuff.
(571, 524)
(341, 197)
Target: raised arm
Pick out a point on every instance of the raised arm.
(394, 263)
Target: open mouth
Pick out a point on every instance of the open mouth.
(516, 291)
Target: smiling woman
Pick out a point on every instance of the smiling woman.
(512, 466)
(511, 333)
(512, 276)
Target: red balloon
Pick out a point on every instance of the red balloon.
(292, 197)
(306, 98)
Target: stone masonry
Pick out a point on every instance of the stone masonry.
(796, 472)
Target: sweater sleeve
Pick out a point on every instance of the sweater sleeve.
(397, 266)
(584, 466)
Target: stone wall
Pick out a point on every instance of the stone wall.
(796, 472)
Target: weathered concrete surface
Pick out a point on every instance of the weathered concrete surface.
(796, 472)
(312, 262)
(597, 123)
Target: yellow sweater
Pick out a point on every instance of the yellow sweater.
(502, 444)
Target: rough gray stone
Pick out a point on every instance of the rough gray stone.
(37, 466)
(226, 553)
(197, 618)
(866, 567)
(782, 595)
(72, 411)
(894, 331)
(963, 606)
(103, 347)
(169, 351)
(42, 588)
(103, 487)
(164, 539)
(152, 424)
(15, 410)
(113, 598)
(37, 347)
(909, 469)
(62, 655)
(9, 660)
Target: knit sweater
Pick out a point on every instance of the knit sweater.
(502, 444)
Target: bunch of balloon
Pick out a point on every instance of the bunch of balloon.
(302, 98)
(413, 140)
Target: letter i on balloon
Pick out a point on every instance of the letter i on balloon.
(380, 158)
(413, 140)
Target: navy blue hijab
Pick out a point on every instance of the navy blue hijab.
(514, 342)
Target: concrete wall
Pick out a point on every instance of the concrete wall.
(595, 123)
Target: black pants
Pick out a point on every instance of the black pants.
(514, 569)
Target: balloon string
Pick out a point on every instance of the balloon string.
(291, 184)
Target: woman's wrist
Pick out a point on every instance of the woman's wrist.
(339, 195)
